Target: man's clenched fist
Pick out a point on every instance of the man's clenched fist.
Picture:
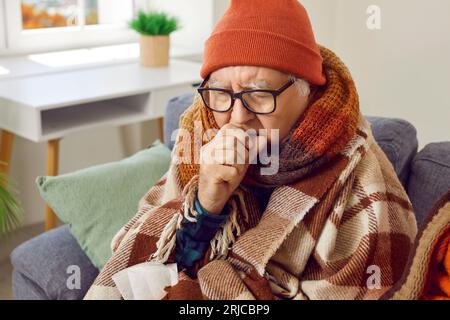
(223, 164)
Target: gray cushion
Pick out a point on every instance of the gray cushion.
(429, 177)
(396, 137)
(175, 107)
(41, 267)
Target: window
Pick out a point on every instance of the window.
(50, 14)
(42, 26)
(2, 29)
(45, 25)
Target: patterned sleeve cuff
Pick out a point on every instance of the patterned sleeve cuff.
(210, 216)
(207, 223)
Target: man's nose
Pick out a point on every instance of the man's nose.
(240, 114)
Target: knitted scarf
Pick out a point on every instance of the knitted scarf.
(338, 224)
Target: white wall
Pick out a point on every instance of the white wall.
(323, 19)
(402, 70)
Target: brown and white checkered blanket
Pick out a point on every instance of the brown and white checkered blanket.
(343, 230)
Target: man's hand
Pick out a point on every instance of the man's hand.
(223, 164)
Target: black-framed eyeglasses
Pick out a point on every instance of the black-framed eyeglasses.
(259, 101)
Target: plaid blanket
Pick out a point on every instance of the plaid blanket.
(339, 226)
(427, 275)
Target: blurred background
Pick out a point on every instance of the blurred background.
(397, 51)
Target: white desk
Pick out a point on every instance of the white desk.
(47, 107)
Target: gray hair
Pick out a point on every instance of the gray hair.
(303, 86)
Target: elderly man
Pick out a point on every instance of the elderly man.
(332, 221)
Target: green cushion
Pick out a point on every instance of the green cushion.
(96, 202)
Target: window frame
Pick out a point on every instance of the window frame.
(64, 38)
(3, 28)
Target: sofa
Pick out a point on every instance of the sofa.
(40, 264)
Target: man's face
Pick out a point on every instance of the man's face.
(290, 104)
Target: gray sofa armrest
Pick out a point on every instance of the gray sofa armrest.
(42, 267)
(398, 139)
(175, 107)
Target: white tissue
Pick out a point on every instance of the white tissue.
(146, 281)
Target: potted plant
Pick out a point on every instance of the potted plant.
(155, 29)
(10, 211)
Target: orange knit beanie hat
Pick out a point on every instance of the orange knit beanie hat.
(275, 34)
